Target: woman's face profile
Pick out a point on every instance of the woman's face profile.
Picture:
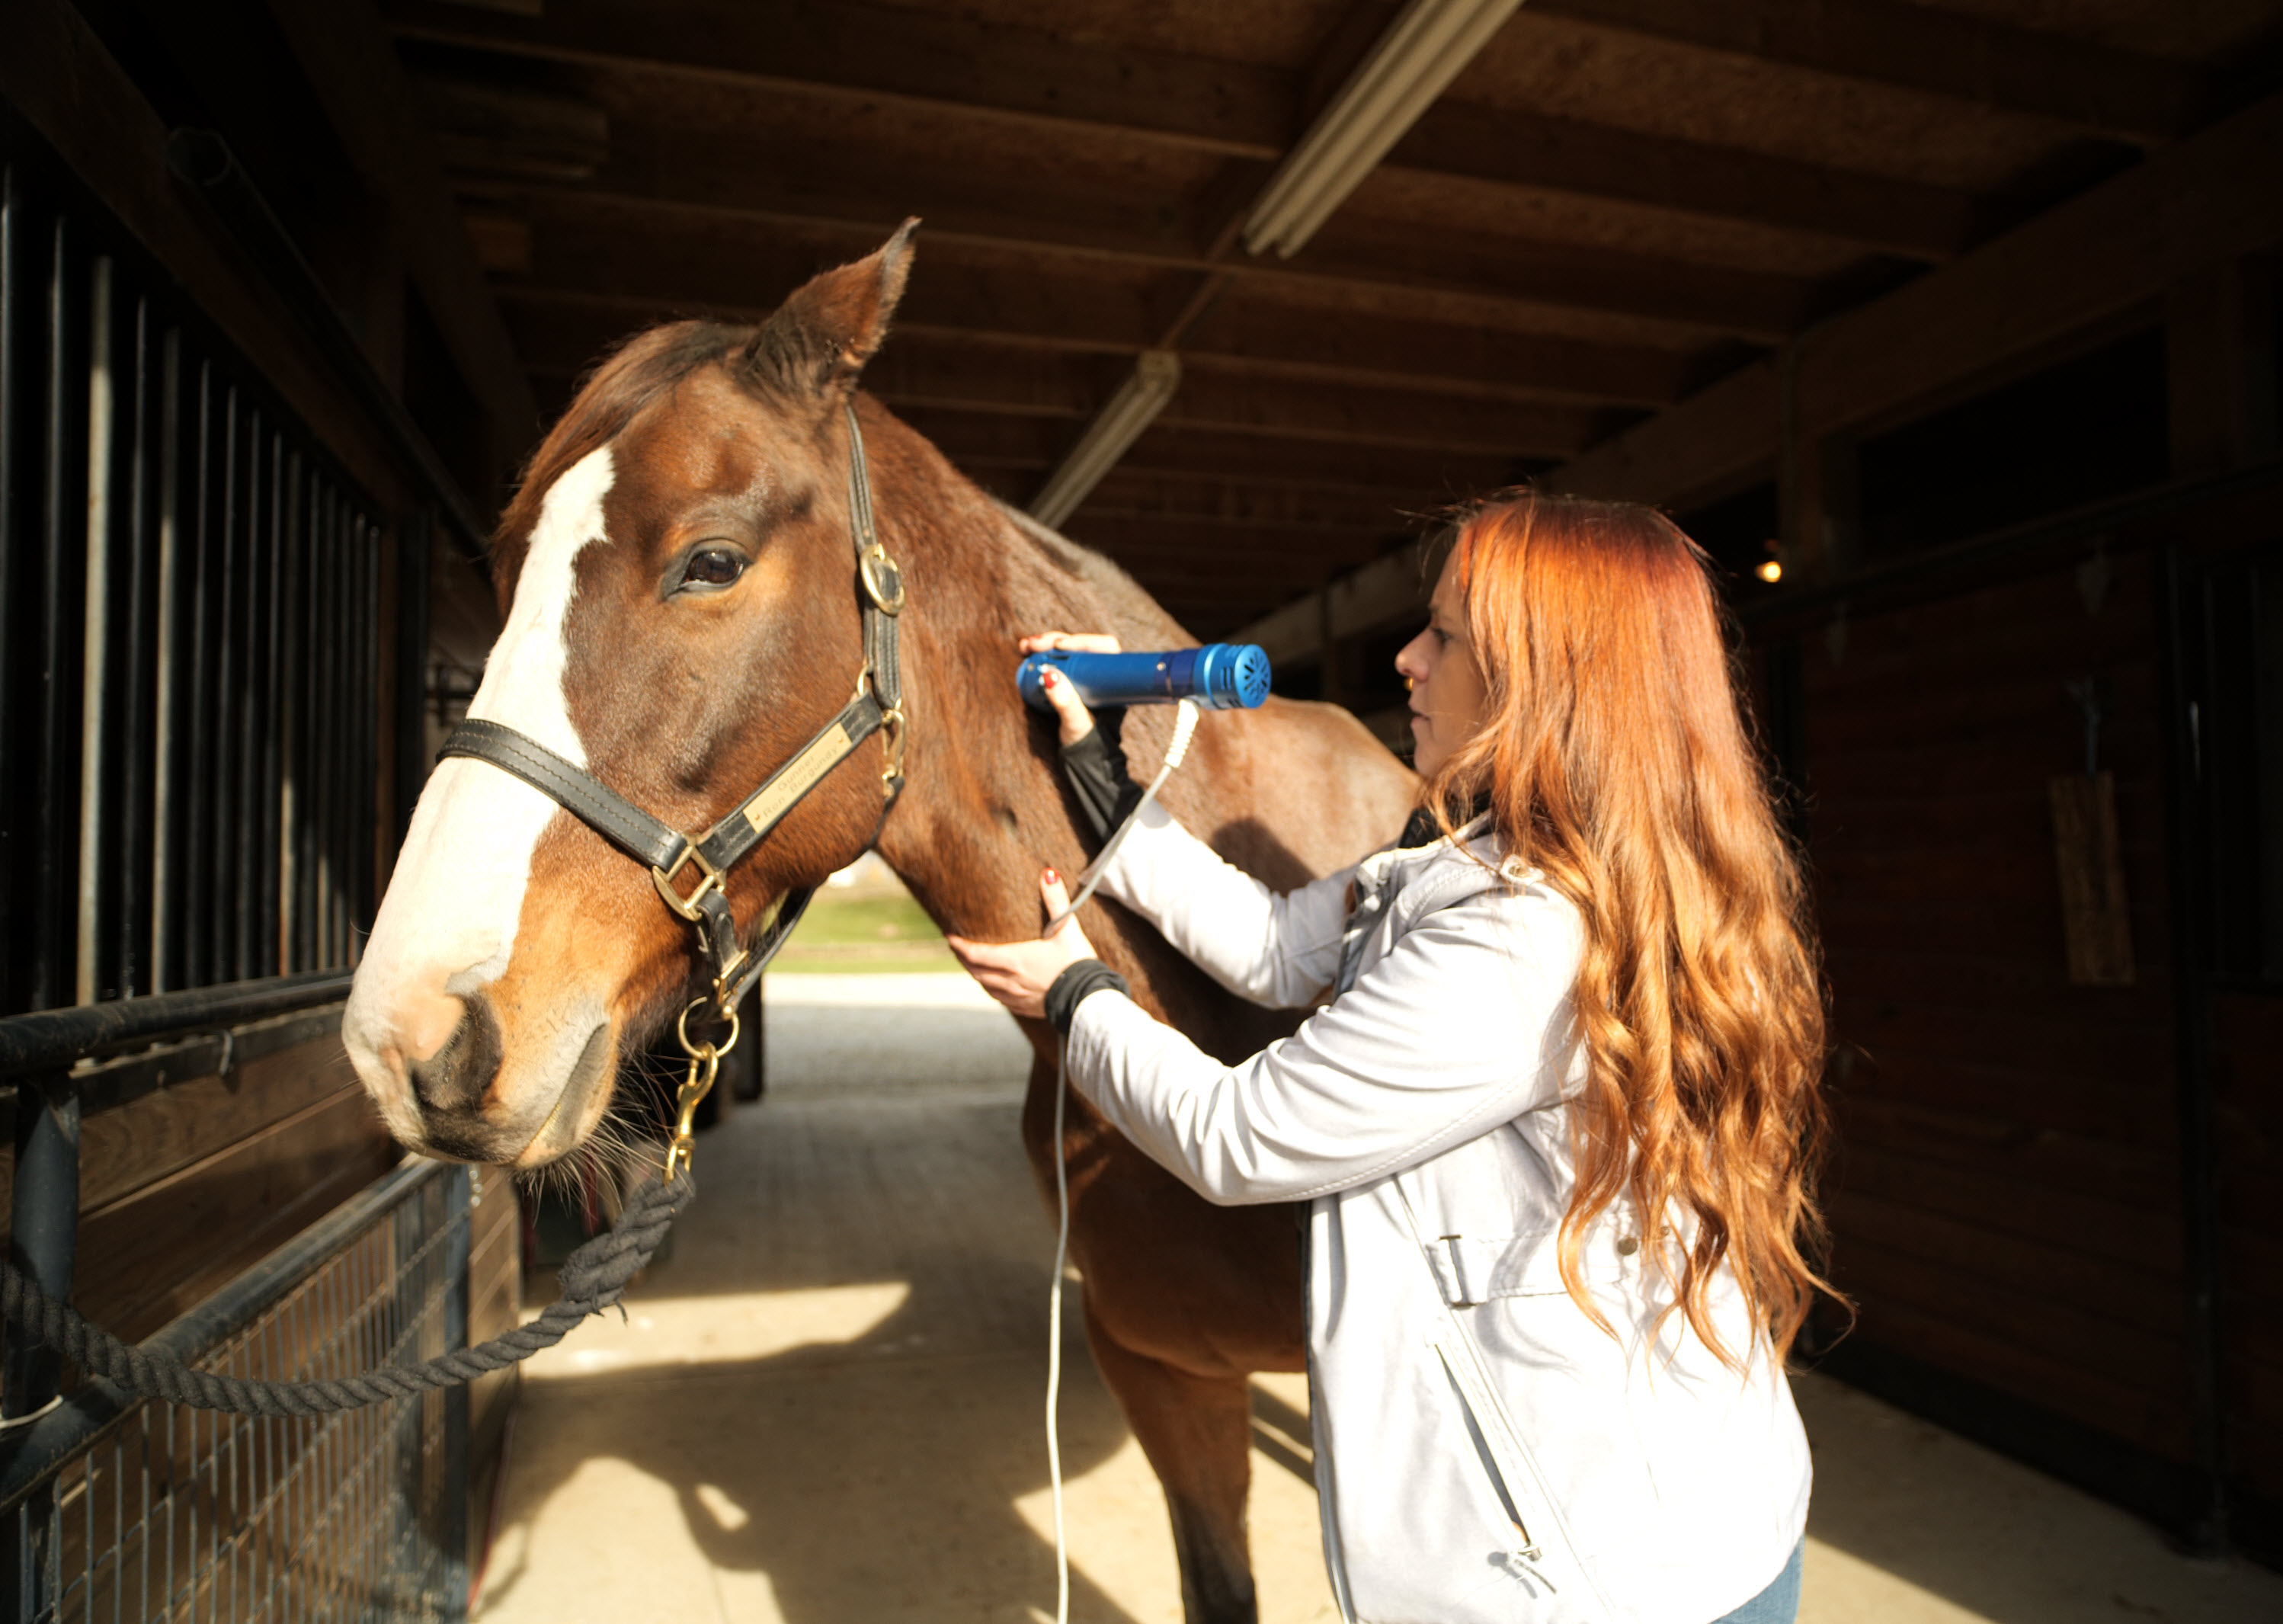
(1447, 695)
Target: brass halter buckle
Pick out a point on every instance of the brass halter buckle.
(884, 582)
(892, 771)
(704, 1065)
(686, 906)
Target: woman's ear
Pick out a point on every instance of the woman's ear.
(819, 338)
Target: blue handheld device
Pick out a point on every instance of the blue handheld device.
(1219, 677)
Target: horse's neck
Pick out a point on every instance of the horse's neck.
(979, 814)
(983, 810)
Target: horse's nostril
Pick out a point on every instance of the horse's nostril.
(456, 1075)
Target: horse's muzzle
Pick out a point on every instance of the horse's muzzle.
(468, 1113)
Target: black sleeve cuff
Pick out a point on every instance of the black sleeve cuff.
(1089, 975)
(1095, 766)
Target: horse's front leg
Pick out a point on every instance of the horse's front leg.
(1197, 1433)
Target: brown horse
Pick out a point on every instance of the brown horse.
(681, 617)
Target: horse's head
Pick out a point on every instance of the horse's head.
(677, 585)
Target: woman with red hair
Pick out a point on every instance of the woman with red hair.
(1558, 1122)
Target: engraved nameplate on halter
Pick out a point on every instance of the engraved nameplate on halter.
(777, 795)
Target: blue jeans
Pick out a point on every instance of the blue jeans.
(1779, 1603)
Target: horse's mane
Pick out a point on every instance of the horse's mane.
(1115, 590)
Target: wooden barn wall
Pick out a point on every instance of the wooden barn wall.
(2006, 1199)
(2006, 1193)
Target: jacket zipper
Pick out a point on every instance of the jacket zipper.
(1474, 1406)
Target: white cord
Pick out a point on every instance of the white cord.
(1055, 1341)
(1185, 724)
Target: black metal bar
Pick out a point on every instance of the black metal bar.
(44, 1226)
(49, 1038)
(293, 692)
(2184, 661)
(365, 710)
(309, 798)
(204, 160)
(452, 1534)
(222, 765)
(194, 777)
(48, 1444)
(43, 1242)
(19, 465)
(333, 685)
(269, 766)
(246, 703)
(94, 975)
(169, 714)
(134, 911)
(64, 517)
(410, 755)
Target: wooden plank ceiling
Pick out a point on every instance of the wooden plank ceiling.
(1616, 203)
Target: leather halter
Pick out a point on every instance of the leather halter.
(878, 705)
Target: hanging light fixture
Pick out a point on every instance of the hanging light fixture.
(1421, 53)
(1139, 399)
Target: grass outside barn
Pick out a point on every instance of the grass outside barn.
(864, 922)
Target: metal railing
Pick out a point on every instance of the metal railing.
(114, 1509)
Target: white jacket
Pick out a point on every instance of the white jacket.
(1484, 1451)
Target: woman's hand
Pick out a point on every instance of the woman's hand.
(1018, 973)
(1069, 710)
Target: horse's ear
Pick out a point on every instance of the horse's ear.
(820, 338)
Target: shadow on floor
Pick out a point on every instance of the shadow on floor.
(1913, 1503)
(820, 1478)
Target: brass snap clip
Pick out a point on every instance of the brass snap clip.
(705, 1067)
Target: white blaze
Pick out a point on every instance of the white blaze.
(448, 921)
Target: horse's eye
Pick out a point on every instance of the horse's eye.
(712, 567)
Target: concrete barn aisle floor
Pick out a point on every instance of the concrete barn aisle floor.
(826, 1406)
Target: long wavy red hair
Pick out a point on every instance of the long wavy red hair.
(1615, 761)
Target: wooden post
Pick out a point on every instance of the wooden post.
(2220, 360)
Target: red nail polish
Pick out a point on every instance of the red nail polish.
(1053, 878)
(1046, 679)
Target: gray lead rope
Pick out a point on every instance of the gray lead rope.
(592, 1278)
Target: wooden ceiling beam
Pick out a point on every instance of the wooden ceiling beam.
(559, 341)
(1275, 407)
(1508, 280)
(740, 273)
(1268, 554)
(1030, 76)
(2212, 198)
(1040, 78)
(1343, 345)
(1074, 314)
(1031, 446)
(2034, 73)
(1144, 497)
(1886, 216)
